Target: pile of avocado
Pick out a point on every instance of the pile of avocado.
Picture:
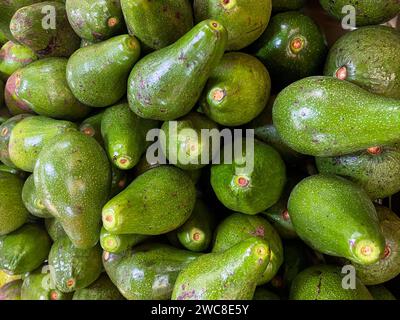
(86, 214)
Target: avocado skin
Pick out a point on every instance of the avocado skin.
(31, 201)
(245, 20)
(264, 294)
(3, 38)
(158, 24)
(34, 288)
(24, 250)
(92, 127)
(26, 27)
(77, 187)
(54, 229)
(324, 116)
(167, 83)
(284, 64)
(14, 56)
(368, 12)
(13, 212)
(97, 74)
(239, 227)
(119, 180)
(90, 19)
(157, 264)
(377, 174)
(27, 90)
(369, 55)
(381, 293)
(246, 86)
(333, 215)
(11, 291)
(101, 289)
(286, 5)
(125, 241)
(2, 102)
(324, 282)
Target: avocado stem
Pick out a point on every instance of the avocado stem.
(4, 131)
(374, 150)
(89, 131)
(341, 73)
(112, 22)
(285, 215)
(297, 44)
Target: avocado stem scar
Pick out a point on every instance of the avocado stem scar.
(341, 73)
(374, 150)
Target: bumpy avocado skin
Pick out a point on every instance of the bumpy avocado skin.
(381, 293)
(11, 291)
(31, 201)
(101, 289)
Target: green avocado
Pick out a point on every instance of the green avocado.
(97, 74)
(73, 179)
(25, 249)
(34, 205)
(292, 47)
(117, 243)
(324, 116)
(239, 227)
(264, 294)
(74, 268)
(237, 90)
(92, 127)
(95, 20)
(27, 90)
(124, 135)
(54, 229)
(2, 101)
(325, 283)
(368, 12)
(230, 275)
(253, 187)
(158, 23)
(336, 217)
(245, 20)
(381, 293)
(167, 83)
(19, 173)
(287, 5)
(11, 291)
(147, 272)
(44, 28)
(119, 180)
(158, 201)
(101, 289)
(3, 38)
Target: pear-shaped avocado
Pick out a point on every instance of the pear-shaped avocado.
(28, 90)
(147, 272)
(124, 135)
(245, 20)
(95, 20)
(13, 213)
(381, 293)
(117, 243)
(159, 23)
(231, 275)
(97, 74)
(336, 217)
(92, 127)
(11, 291)
(166, 84)
(73, 178)
(44, 28)
(31, 201)
(54, 229)
(101, 289)
(31, 135)
(158, 201)
(74, 268)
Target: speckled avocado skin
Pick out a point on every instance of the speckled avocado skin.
(11, 291)
(167, 83)
(158, 265)
(76, 187)
(368, 12)
(239, 227)
(369, 58)
(101, 289)
(335, 216)
(245, 20)
(54, 229)
(324, 116)
(31, 201)
(158, 23)
(381, 293)
(286, 5)
(325, 283)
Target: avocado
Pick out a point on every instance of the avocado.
(95, 20)
(336, 217)
(324, 282)
(92, 127)
(376, 169)
(86, 43)
(119, 180)
(292, 47)
(7, 169)
(3, 38)
(124, 135)
(368, 12)
(185, 145)
(167, 83)
(27, 90)
(2, 101)
(14, 56)
(237, 90)
(231, 275)
(73, 179)
(239, 227)
(32, 135)
(324, 116)
(159, 23)
(368, 57)
(246, 189)
(74, 268)
(101, 289)
(147, 272)
(5, 277)
(97, 74)
(158, 201)
(287, 5)
(13, 213)
(264, 294)
(245, 20)
(381, 293)
(117, 243)
(25, 249)
(34, 205)
(30, 26)
(11, 291)
(54, 229)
